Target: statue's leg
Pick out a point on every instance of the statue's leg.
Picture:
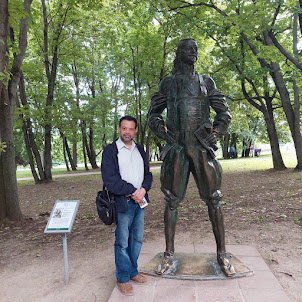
(170, 219)
(216, 217)
(174, 180)
(207, 174)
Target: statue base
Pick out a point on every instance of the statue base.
(196, 266)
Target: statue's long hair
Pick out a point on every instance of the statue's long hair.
(177, 60)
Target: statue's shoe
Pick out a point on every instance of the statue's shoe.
(166, 264)
(226, 267)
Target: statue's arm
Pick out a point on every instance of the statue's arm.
(157, 106)
(218, 103)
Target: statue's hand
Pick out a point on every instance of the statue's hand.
(217, 134)
(212, 139)
(166, 135)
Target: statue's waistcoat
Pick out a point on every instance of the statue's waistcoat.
(187, 104)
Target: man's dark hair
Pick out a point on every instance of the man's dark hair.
(128, 118)
(177, 60)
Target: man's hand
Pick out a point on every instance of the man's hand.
(138, 195)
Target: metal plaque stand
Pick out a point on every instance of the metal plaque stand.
(61, 221)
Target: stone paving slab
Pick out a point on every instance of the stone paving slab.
(261, 287)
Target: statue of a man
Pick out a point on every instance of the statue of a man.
(191, 138)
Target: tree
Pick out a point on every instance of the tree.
(239, 21)
(9, 79)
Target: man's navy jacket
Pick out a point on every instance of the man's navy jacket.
(112, 178)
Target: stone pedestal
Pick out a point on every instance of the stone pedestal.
(196, 266)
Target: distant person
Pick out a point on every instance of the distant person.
(252, 150)
(233, 151)
(125, 173)
(257, 152)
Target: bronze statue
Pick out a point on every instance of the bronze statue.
(191, 138)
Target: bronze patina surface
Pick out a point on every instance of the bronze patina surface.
(196, 266)
(191, 137)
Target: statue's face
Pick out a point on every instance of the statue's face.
(188, 52)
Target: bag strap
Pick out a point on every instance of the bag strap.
(107, 192)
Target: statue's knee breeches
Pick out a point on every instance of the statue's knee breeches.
(172, 201)
(214, 200)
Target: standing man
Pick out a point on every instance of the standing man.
(125, 173)
(233, 151)
(191, 138)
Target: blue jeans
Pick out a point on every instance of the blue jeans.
(128, 242)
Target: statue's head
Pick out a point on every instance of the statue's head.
(187, 52)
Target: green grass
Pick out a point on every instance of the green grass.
(55, 171)
(263, 162)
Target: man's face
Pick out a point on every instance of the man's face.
(127, 131)
(189, 52)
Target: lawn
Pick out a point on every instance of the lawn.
(263, 162)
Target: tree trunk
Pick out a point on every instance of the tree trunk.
(273, 136)
(28, 134)
(104, 140)
(76, 83)
(246, 147)
(91, 155)
(3, 214)
(30, 155)
(72, 164)
(300, 16)
(115, 120)
(225, 149)
(296, 89)
(92, 151)
(234, 138)
(64, 152)
(84, 155)
(51, 74)
(9, 199)
(84, 143)
(148, 144)
(8, 177)
(74, 153)
(292, 115)
(27, 145)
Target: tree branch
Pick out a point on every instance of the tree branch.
(300, 16)
(284, 51)
(276, 15)
(186, 5)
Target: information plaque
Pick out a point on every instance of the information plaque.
(62, 216)
(60, 221)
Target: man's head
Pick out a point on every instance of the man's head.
(127, 129)
(187, 52)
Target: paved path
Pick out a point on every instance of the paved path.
(261, 287)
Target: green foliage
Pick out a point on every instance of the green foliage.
(119, 51)
(2, 146)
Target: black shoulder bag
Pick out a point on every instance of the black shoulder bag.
(106, 206)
